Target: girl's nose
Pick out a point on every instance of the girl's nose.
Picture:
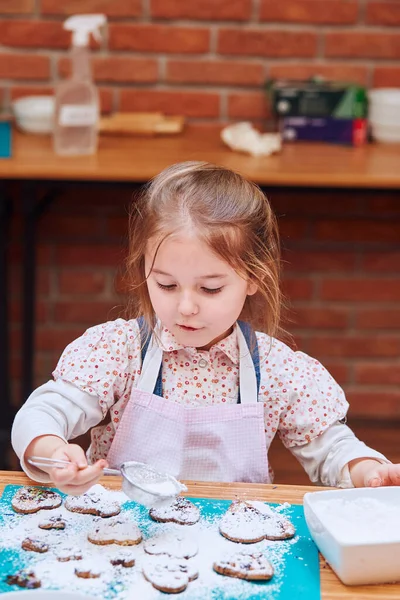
(187, 305)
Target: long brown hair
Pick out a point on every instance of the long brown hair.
(229, 213)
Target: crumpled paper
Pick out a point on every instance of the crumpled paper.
(245, 138)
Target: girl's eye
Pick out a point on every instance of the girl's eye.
(211, 291)
(166, 287)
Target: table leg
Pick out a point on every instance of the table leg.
(7, 410)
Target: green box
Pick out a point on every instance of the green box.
(318, 99)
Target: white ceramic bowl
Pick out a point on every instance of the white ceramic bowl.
(34, 114)
(358, 532)
(384, 132)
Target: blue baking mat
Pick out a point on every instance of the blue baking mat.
(297, 574)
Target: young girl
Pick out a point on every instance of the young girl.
(188, 386)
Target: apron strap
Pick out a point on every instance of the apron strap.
(251, 341)
(249, 335)
(145, 337)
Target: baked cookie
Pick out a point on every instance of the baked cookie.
(34, 545)
(56, 522)
(124, 558)
(174, 544)
(30, 499)
(251, 566)
(67, 554)
(24, 579)
(118, 530)
(87, 570)
(178, 510)
(92, 503)
(250, 522)
(170, 575)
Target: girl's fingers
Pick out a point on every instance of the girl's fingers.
(72, 453)
(376, 477)
(73, 476)
(386, 474)
(77, 490)
(61, 476)
(394, 474)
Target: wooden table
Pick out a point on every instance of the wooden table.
(138, 159)
(331, 587)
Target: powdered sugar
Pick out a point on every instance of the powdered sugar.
(179, 510)
(120, 530)
(253, 521)
(93, 502)
(120, 583)
(173, 543)
(360, 520)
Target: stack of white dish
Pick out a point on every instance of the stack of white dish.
(384, 114)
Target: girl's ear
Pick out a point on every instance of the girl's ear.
(251, 288)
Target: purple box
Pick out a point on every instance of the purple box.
(352, 132)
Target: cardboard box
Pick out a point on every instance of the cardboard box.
(351, 132)
(318, 99)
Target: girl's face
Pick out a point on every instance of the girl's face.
(195, 293)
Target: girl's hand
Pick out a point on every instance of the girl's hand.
(382, 474)
(77, 478)
(367, 472)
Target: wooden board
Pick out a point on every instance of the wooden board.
(331, 587)
(141, 123)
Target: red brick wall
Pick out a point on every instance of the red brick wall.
(341, 275)
(205, 59)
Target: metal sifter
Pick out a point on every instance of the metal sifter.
(140, 482)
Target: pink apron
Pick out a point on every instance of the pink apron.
(211, 443)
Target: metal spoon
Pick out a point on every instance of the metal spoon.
(140, 482)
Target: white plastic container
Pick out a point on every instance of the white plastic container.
(34, 114)
(388, 97)
(384, 114)
(358, 532)
(77, 100)
(384, 132)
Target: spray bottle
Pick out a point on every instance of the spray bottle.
(77, 101)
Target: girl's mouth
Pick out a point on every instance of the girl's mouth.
(185, 328)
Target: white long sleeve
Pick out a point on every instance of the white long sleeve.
(55, 408)
(59, 408)
(325, 458)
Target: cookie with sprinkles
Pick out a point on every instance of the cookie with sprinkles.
(29, 499)
(174, 544)
(248, 522)
(55, 522)
(179, 510)
(118, 530)
(93, 503)
(24, 579)
(245, 565)
(34, 545)
(170, 575)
